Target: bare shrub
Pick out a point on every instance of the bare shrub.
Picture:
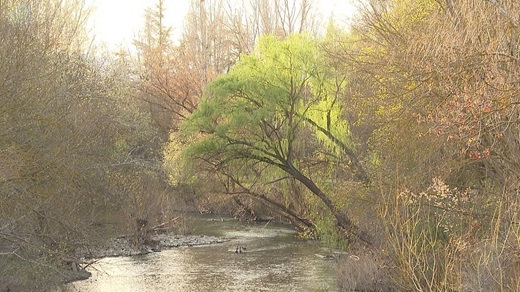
(419, 247)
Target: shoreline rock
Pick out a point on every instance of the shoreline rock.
(125, 246)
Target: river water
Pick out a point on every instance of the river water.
(274, 260)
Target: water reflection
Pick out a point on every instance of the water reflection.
(274, 261)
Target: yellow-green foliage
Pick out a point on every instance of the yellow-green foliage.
(328, 232)
(175, 163)
(406, 14)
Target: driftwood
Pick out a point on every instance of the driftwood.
(161, 227)
(261, 218)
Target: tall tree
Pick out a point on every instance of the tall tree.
(206, 38)
(154, 46)
(250, 20)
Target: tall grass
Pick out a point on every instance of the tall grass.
(437, 242)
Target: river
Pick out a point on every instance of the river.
(274, 260)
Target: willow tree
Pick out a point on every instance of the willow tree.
(270, 118)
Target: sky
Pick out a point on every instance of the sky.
(118, 22)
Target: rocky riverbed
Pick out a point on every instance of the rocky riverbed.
(126, 246)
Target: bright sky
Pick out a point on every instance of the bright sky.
(117, 22)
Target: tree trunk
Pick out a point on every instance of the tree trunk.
(342, 219)
(302, 224)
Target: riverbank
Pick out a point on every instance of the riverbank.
(126, 246)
